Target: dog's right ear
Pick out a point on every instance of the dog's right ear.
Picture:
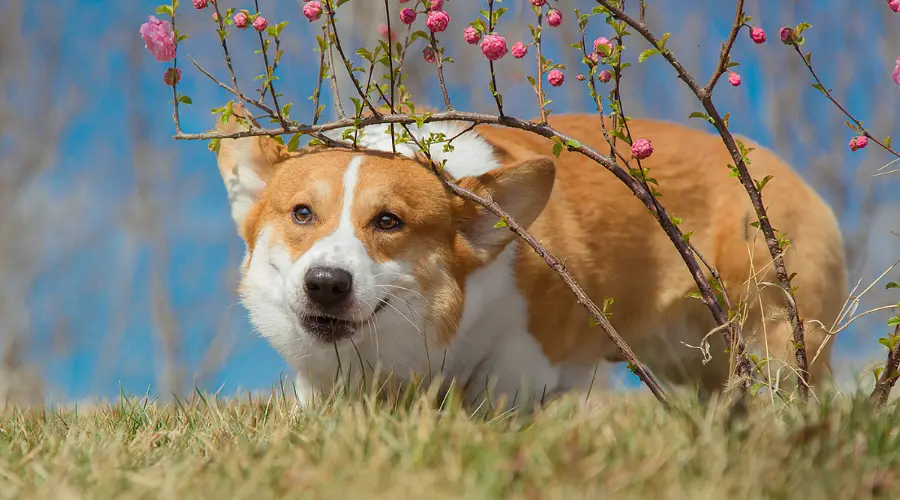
(247, 165)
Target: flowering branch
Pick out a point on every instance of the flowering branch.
(859, 129)
(775, 242)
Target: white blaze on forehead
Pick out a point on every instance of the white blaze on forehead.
(342, 248)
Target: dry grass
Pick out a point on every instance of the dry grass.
(623, 447)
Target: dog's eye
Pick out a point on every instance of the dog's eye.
(387, 222)
(302, 214)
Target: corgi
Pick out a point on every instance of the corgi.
(361, 260)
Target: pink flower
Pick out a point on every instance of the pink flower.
(437, 20)
(734, 79)
(215, 16)
(159, 39)
(428, 54)
(759, 36)
(600, 42)
(538, 3)
(580, 77)
(493, 47)
(894, 5)
(172, 76)
(519, 50)
(471, 35)
(858, 142)
(385, 32)
(407, 16)
(604, 76)
(556, 77)
(240, 20)
(554, 17)
(200, 4)
(641, 149)
(437, 4)
(787, 36)
(594, 58)
(312, 10)
(401, 1)
(895, 75)
(260, 23)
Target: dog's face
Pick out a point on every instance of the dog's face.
(344, 244)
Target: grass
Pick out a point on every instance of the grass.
(621, 446)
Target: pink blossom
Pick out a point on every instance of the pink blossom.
(437, 20)
(240, 20)
(172, 76)
(260, 23)
(407, 16)
(603, 41)
(437, 4)
(858, 142)
(494, 46)
(159, 39)
(894, 5)
(385, 32)
(200, 4)
(215, 16)
(401, 1)
(554, 17)
(471, 35)
(641, 149)
(734, 79)
(429, 55)
(895, 75)
(594, 58)
(538, 3)
(556, 77)
(312, 10)
(759, 36)
(787, 36)
(580, 77)
(604, 76)
(519, 50)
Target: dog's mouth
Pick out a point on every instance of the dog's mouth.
(331, 328)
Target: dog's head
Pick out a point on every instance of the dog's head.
(341, 243)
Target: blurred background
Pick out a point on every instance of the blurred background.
(118, 256)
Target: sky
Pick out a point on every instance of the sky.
(97, 282)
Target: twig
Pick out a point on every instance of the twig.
(347, 64)
(494, 89)
(175, 114)
(889, 375)
(725, 53)
(831, 98)
(540, 64)
(439, 57)
(335, 93)
(321, 76)
(387, 15)
(270, 72)
(221, 20)
(772, 241)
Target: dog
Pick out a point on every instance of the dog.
(360, 260)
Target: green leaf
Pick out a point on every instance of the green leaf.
(573, 144)
(294, 143)
(894, 321)
(557, 149)
(646, 54)
(214, 145)
(501, 223)
(693, 295)
(164, 9)
(185, 99)
(891, 284)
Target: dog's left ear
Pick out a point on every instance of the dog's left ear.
(247, 165)
(521, 189)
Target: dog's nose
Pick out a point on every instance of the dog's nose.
(328, 286)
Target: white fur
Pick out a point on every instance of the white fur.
(491, 349)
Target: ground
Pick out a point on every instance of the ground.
(618, 445)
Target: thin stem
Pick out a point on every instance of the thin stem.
(335, 93)
(321, 76)
(221, 20)
(704, 95)
(347, 64)
(540, 64)
(387, 15)
(889, 375)
(831, 98)
(725, 54)
(269, 73)
(175, 114)
(439, 58)
(496, 92)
